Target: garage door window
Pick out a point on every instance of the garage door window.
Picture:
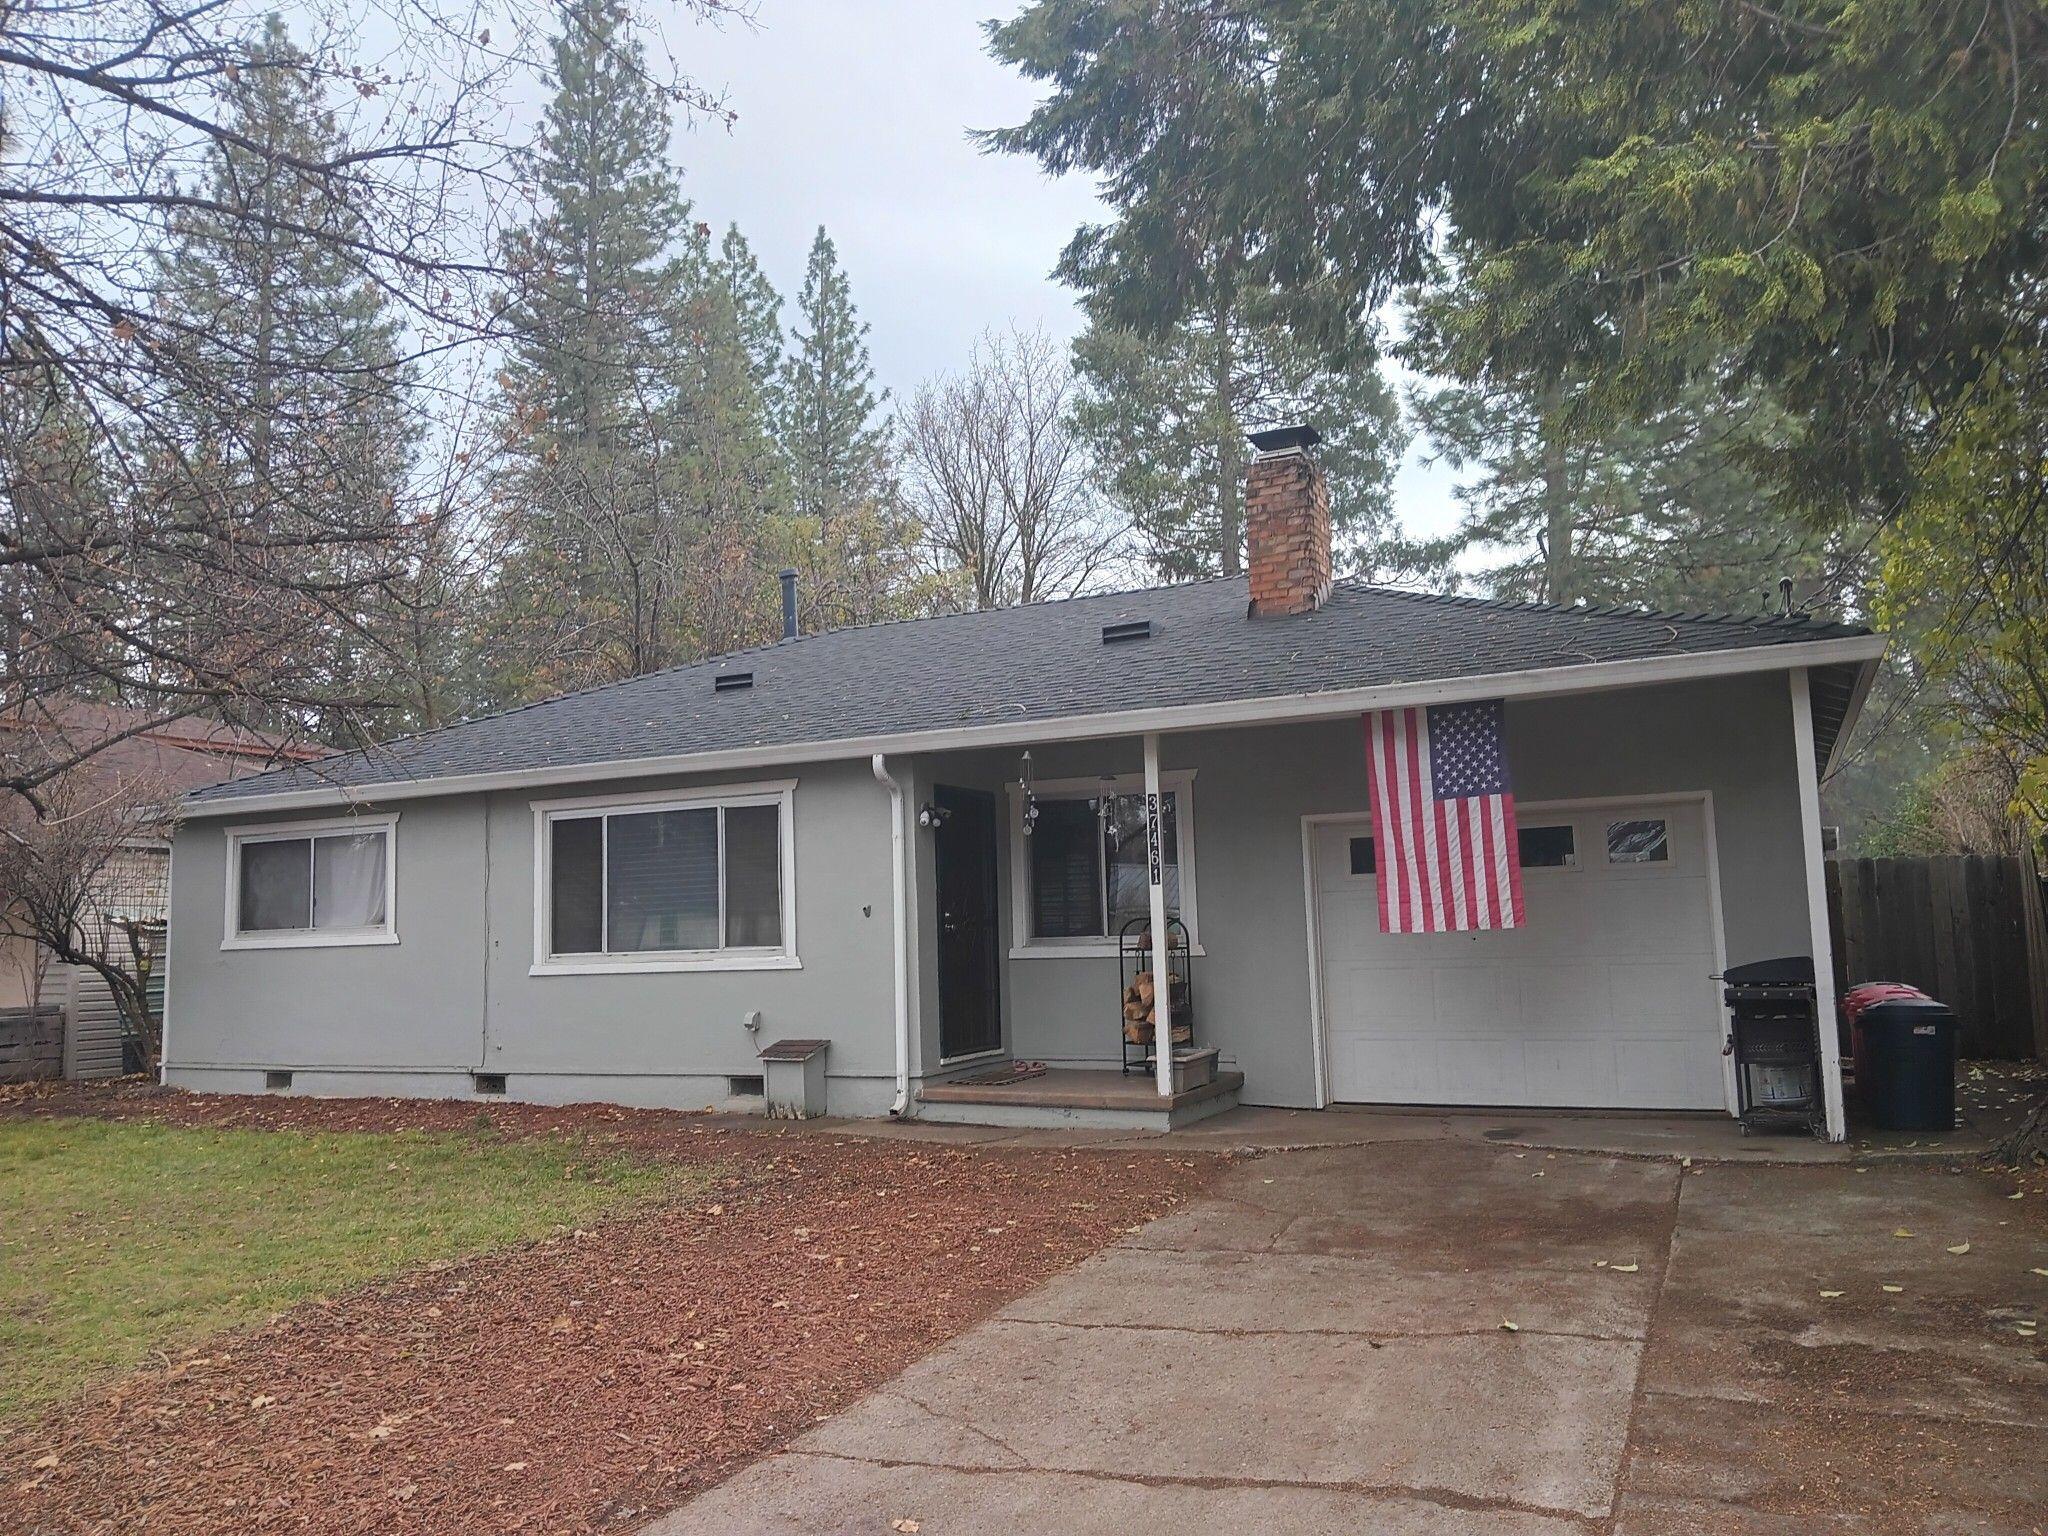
(1638, 842)
(1548, 847)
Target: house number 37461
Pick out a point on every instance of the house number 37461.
(1152, 836)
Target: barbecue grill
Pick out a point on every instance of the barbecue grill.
(1775, 1040)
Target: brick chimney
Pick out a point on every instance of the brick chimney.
(1287, 522)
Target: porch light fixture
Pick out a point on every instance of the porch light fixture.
(930, 815)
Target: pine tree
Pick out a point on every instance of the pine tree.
(849, 540)
(720, 463)
(1167, 417)
(756, 309)
(589, 542)
(1666, 512)
(836, 448)
(314, 445)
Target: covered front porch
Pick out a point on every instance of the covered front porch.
(1031, 866)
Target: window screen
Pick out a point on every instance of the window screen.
(1066, 871)
(348, 881)
(1637, 842)
(753, 876)
(277, 886)
(1128, 865)
(661, 881)
(1547, 847)
(576, 869)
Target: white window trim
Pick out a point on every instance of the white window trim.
(780, 793)
(310, 938)
(1180, 782)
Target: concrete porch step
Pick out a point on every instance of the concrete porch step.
(1077, 1097)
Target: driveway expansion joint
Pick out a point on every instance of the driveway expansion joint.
(1444, 1498)
(1373, 1336)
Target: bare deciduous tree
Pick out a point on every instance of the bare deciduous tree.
(151, 547)
(74, 875)
(1003, 487)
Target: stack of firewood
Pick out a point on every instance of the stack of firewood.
(1141, 1018)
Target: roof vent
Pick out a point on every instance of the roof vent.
(732, 682)
(1128, 629)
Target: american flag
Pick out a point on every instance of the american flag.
(1443, 821)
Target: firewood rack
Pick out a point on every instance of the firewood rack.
(1135, 1014)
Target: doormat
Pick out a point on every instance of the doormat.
(1010, 1072)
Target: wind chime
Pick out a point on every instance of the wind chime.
(1030, 798)
(1104, 806)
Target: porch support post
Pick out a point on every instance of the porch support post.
(1155, 866)
(1806, 765)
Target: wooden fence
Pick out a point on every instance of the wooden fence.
(31, 1043)
(1967, 930)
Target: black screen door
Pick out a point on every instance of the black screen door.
(964, 849)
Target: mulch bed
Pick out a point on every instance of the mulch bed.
(590, 1380)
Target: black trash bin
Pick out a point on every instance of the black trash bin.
(1906, 1064)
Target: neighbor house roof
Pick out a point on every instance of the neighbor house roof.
(120, 748)
(968, 678)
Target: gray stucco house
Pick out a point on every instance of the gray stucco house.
(917, 842)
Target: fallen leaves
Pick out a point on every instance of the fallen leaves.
(1958, 1248)
(544, 1396)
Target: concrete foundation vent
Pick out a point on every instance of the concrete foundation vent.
(277, 1082)
(488, 1082)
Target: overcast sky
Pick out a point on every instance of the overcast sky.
(856, 116)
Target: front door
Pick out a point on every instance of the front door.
(964, 848)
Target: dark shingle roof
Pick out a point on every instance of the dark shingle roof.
(1044, 661)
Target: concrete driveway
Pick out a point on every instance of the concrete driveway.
(1322, 1346)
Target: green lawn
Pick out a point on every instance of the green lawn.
(120, 1239)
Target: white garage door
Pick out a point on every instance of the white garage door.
(1606, 998)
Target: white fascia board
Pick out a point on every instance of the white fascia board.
(1335, 703)
(1866, 678)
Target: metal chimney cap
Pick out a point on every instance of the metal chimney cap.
(789, 621)
(1285, 439)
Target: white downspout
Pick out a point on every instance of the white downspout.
(901, 905)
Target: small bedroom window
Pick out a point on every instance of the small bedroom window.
(699, 881)
(319, 883)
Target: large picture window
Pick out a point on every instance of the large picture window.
(665, 882)
(313, 883)
(1082, 873)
